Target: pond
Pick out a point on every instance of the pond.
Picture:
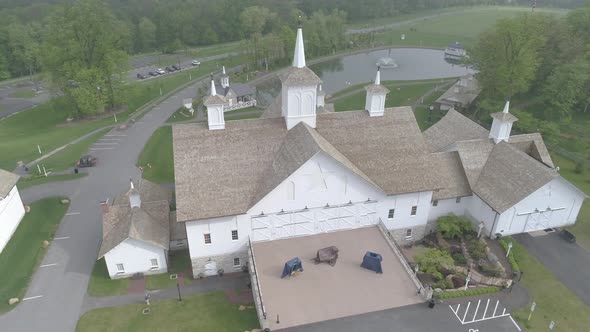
(412, 64)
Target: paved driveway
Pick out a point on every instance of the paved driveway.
(569, 262)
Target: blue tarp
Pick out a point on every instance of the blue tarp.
(292, 265)
(372, 261)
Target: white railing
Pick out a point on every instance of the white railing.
(256, 290)
(239, 105)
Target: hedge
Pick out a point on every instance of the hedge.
(511, 259)
(469, 292)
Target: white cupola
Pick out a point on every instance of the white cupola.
(134, 197)
(224, 78)
(299, 88)
(375, 100)
(321, 96)
(214, 104)
(502, 124)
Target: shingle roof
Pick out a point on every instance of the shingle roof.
(148, 223)
(214, 100)
(299, 76)
(453, 127)
(240, 89)
(533, 145)
(450, 170)
(509, 176)
(7, 181)
(376, 88)
(504, 117)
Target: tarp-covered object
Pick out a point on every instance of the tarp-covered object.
(328, 255)
(292, 266)
(372, 261)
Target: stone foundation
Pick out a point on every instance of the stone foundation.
(224, 262)
(399, 235)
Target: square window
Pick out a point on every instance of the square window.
(237, 262)
(408, 233)
(120, 268)
(234, 235)
(207, 237)
(458, 200)
(435, 203)
(391, 213)
(414, 210)
(154, 262)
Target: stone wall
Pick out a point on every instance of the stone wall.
(399, 235)
(225, 262)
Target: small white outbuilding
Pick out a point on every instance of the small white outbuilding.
(11, 207)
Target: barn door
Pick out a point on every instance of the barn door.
(368, 214)
(261, 228)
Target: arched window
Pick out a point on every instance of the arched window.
(291, 191)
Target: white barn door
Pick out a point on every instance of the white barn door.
(261, 228)
(368, 214)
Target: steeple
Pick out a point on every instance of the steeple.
(134, 197)
(375, 99)
(502, 124)
(299, 55)
(214, 104)
(224, 78)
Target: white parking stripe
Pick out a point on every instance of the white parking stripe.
(475, 314)
(105, 143)
(101, 148)
(109, 139)
(72, 214)
(477, 309)
(61, 238)
(114, 135)
(48, 265)
(32, 297)
(466, 311)
(512, 319)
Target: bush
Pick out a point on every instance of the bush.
(452, 226)
(460, 258)
(443, 284)
(434, 260)
(513, 264)
(442, 243)
(477, 250)
(469, 292)
(488, 270)
(458, 281)
(579, 169)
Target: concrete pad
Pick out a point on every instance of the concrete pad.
(323, 292)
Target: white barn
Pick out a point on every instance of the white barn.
(136, 233)
(11, 207)
(301, 170)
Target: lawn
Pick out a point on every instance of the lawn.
(205, 312)
(23, 93)
(242, 116)
(157, 158)
(100, 283)
(23, 253)
(178, 261)
(182, 114)
(555, 302)
(24, 183)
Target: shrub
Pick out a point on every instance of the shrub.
(443, 284)
(579, 169)
(458, 281)
(452, 226)
(488, 270)
(442, 243)
(434, 260)
(513, 264)
(477, 250)
(459, 258)
(469, 292)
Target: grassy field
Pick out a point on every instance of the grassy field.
(100, 283)
(25, 250)
(157, 158)
(24, 183)
(178, 261)
(23, 93)
(555, 302)
(206, 312)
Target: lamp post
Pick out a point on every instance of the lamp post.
(509, 247)
(431, 108)
(179, 296)
(467, 280)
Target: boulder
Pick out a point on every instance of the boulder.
(242, 308)
(458, 282)
(13, 300)
(27, 208)
(438, 290)
(45, 243)
(65, 201)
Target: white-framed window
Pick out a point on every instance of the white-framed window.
(414, 210)
(154, 262)
(207, 237)
(237, 262)
(458, 200)
(408, 233)
(234, 235)
(120, 268)
(435, 202)
(391, 214)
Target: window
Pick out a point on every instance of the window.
(234, 234)
(435, 203)
(408, 233)
(120, 268)
(154, 262)
(414, 210)
(207, 237)
(391, 213)
(237, 262)
(458, 200)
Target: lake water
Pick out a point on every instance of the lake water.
(412, 64)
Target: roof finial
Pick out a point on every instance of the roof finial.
(507, 106)
(213, 92)
(223, 70)
(299, 56)
(131, 182)
(299, 22)
(378, 76)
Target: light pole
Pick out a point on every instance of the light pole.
(509, 247)
(467, 280)
(179, 296)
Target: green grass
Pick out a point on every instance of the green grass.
(24, 183)
(157, 153)
(254, 115)
(181, 115)
(205, 312)
(23, 253)
(23, 93)
(100, 283)
(67, 158)
(179, 261)
(555, 302)
(469, 292)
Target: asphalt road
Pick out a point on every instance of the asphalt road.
(10, 105)
(55, 296)
(568, 262)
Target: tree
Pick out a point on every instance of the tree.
(564, 88)
(83, 54)
(146, 34)
(452, 226)
(434, 260)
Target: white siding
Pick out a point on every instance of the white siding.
(479, 211)
(221, 240)
(11, 213)
(448, 206)
(136, 257)
(556, 204)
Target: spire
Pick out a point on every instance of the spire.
(131, 182)
(223, 70)
(299, 55)
(213, 92)
(506, 107)
(378, 76)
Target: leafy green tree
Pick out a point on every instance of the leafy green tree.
(564, 88)
(146, 34)
(453, 226)
(433, 261)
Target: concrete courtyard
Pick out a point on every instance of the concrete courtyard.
(322, 292)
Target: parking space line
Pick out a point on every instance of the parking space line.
(106, 143)
(32, 297)
(512, 319)
(483, 317)
(48, 265)
(486, 310)
(466, 311)
(114, 135)
(109, 139)
(61, 238)
(477, 309)
(72, 214)
(101, 148)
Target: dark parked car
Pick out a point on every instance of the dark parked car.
(176, 67)
(170, 69)
(153, 73)
(140, 76)
(568, 236)
(86, 161)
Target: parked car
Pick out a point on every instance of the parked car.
(86, 161)
(153, 73)
(140, 76)
(170, 69)
(568, 236)
(196, 63)
(160, 71)
(176, 67)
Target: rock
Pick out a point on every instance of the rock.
(250, 307)
(13, 300)
(458, 282)
(27, 208)
(65, 201)
(242, 308)
(437, 290)
(45, 243)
